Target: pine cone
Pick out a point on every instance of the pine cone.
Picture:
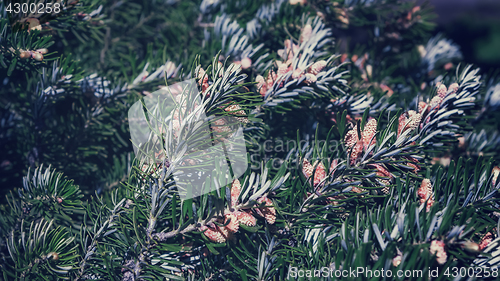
(437, 248)
(317, 67)
(306, 33)
(268, 212)
(235, 192)
(425, 193)
(233, 224)
(369, 133)
(213, 233)
(246, 218)
(442, 91)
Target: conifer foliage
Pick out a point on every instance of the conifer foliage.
(378, 153)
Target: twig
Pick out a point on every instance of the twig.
(162, 236)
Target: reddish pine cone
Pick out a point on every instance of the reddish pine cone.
(271, 77)
(442, 91)
(283, 68)
(37, 56)
(383, 172)
(415, 167)
(220, 126)
(351, 138)
(453, 89)
(310, 78)
(261, 85)
(246, 63)
(203, 80)
(306, 33)
(401, 123)
(485, 241)
(235, 109)
(246, 218)
(357, 152)
(437, 248)
(268, 212)
(224, 231)
(425, 193)
(213, 234)
(317, 67)
(425, 189)
(334, 165)
(368, 133)
(421, 106)
(319, 175)
(409, 121)
(235, 192)
(297, 73)
(232, 222)
(367, 139)
(25, 54)
(415, 119)
(435, 102)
